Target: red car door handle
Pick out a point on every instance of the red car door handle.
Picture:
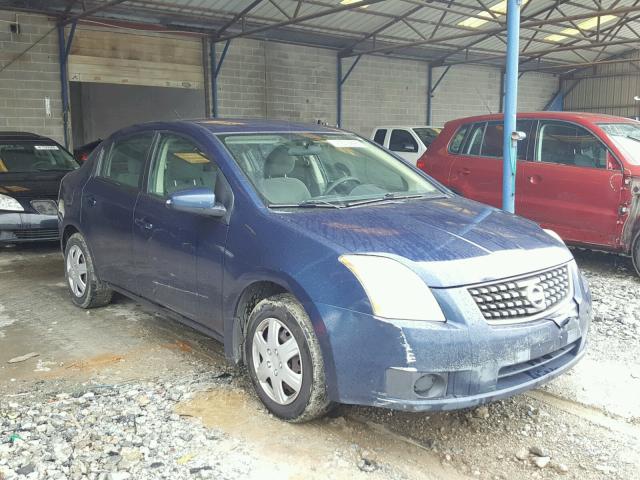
(535, 179)
(465, 171)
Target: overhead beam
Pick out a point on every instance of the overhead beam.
(493, 31)
(92, 11)
(301, 19)
(237, 17)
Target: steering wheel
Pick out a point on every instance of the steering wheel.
(333, 185)
(41, 164)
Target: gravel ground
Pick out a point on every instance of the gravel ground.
(126, 394)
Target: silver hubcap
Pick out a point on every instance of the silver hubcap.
(277, 361)
(76, 271)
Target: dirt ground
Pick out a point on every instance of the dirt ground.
(122, 392)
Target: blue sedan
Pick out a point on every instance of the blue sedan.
(335, 271)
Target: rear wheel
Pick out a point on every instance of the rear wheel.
(284, 360)
(86, 289)
(635, 253)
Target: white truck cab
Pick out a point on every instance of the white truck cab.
(410, 142)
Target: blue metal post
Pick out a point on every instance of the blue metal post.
(213, 64)
(63, 55)
(510, 147)
(339, 94)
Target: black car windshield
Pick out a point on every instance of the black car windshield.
(323, 170)
(427, 134)
(626, 136)
(34, 156)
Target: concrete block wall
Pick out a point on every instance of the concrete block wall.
(469, 90)
(383, 91)
(36, 75)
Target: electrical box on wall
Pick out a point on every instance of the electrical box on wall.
(14, 28)
(47, 107)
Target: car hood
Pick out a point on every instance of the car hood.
(448, 241)
(32, 184)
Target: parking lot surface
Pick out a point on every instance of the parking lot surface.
(123, 392)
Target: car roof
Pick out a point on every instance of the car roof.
(388, 127)
(243, 125)
(583, 117)
(6, 136)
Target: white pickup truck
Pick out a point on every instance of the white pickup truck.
(410, 142)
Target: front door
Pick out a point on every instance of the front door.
(108, 200)
(180, 254)
(570, 188)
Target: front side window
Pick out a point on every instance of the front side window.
(493, 138)
(180, 165)
(34, 156)
(380, 136)
(323, 169)
(569, 144)
(402, 141)
(126, 159)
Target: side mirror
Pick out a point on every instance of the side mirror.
(201, 201)
(612, 163)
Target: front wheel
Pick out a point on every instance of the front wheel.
(284, 360)
(87, 291)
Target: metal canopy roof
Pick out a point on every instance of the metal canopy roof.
(558, 36)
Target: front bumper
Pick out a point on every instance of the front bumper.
(377, 362)
(22, 227)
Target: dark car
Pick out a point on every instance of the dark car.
(31, 168)
(578, 173)
(82, 153)
(334, 270)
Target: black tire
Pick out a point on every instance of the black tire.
(311, 400)
(635, 253)
(96, 293)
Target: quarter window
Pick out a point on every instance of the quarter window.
(569, 144)
(402, 141)
(380, 136)
(180, 165)
(125, 162)
(456, 144)
(475, 139)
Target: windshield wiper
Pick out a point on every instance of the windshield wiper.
(390, 196)
(311, 203)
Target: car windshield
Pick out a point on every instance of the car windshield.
(626, 137)
(323, 170)
(24, 157)
(427, 134)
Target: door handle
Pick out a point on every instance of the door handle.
(465, 171)
(142, 223)
(91, 201)
(535, 179)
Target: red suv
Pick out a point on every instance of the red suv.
(577, 174)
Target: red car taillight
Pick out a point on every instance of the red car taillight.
(422, 164)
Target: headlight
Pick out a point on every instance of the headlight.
(553, 234)
(61, 207)
(10, 203)
(394, 290)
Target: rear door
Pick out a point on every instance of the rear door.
(405, 143)
(108, 201)
(569, 187)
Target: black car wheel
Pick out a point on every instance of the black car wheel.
(284, 360)
(87, 291)
(635, 253)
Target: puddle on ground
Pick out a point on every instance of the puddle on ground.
(326, 448)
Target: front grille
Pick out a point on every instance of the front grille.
(537, 367)
(522, 299)
(42, 233)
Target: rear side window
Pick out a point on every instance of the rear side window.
(474, 144)
(180, 165)
(402, 141)
(569, 144)
(380, 136)
(456, 144)
(126, 159)
(493, 137)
